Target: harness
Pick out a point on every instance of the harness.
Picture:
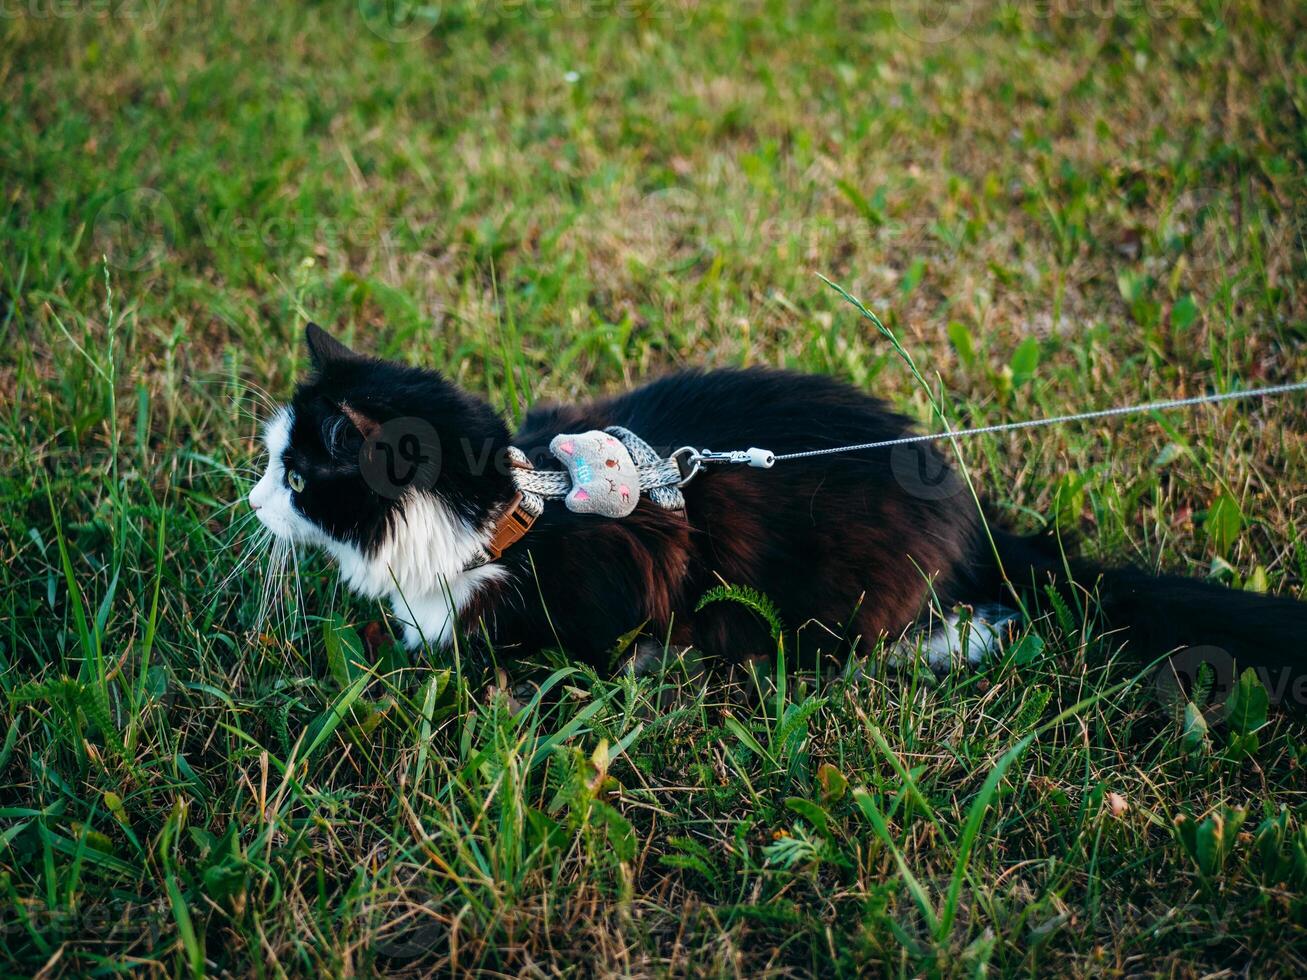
(605, 473)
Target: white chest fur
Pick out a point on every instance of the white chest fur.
(420, 569)
(431, 618)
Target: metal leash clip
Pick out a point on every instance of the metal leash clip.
(690, 460)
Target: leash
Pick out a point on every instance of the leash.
(593, 483)
(692, 460)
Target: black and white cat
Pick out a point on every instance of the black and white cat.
(859, 546)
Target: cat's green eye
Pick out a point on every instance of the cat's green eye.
(295, 481)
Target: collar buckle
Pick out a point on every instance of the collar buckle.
(511, 527)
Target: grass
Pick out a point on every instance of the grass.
(1053, 207)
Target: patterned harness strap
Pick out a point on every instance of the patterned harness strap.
(659, 479)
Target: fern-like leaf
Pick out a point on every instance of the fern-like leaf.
(796, 719)
(94, 702)
(1061, 610)
(1032, 710)
(750, 598)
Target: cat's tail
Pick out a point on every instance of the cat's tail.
(1154, 615)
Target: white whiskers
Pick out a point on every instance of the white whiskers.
(270, 596)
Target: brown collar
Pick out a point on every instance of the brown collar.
(510, 528)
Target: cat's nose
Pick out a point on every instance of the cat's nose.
(253, 505)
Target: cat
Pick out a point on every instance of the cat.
(407, 483)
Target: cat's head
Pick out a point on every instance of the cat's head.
(392, 469)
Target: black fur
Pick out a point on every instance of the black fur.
(859, 543)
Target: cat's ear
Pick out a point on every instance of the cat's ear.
(368, 427)
(324, 348)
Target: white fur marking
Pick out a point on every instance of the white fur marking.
(271, 497)
(949, 642)
(420, 568)
(430, 617)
